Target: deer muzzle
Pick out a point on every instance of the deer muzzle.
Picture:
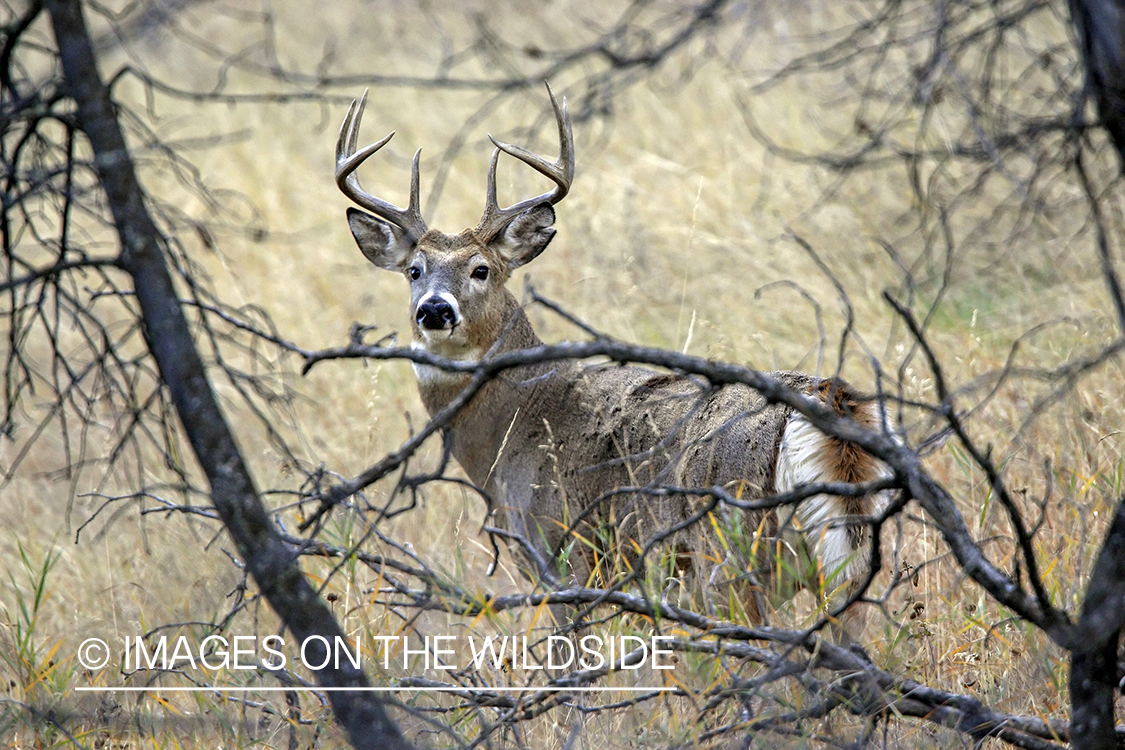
(435, 314)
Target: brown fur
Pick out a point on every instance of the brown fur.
(553, 444)
(571, 433)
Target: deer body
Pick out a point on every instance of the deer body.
(552, 444)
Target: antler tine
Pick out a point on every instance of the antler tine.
(408, 219)
(561, 171)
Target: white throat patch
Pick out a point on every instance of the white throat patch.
(428, 375)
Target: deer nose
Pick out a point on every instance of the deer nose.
(435, 314)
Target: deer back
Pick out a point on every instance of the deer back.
(589, 432)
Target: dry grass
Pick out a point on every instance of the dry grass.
(676, 222)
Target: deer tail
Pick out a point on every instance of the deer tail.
(830, 523)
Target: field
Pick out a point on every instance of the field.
(682, 231)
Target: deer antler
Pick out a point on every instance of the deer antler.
(348, 159)
(561, 172)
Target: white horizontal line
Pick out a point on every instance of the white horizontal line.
(403, 689)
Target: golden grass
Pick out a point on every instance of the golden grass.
(674, 236)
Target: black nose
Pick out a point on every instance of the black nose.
(435, 314)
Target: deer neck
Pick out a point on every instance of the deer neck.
(480, 429)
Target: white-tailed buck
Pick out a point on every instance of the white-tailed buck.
(548, 441)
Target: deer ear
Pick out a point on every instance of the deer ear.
(526, 236)
(379, 241)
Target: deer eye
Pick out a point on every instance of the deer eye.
(480, 272)
(415, 272)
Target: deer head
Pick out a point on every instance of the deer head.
(457, 281)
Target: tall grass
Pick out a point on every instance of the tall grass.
(678, 233)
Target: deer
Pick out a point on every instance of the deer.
(555, 447)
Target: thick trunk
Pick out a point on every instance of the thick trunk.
(1101, 40)
(1094, 674)
(269, 559)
